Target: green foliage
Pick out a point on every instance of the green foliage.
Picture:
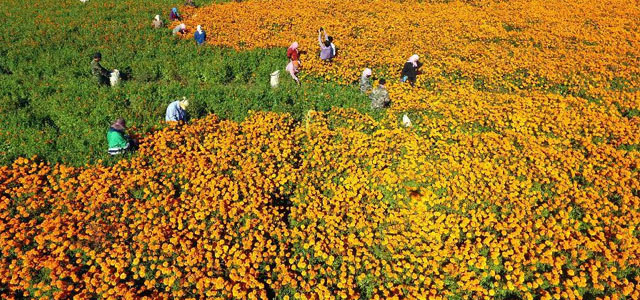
(619, 84)
(53, 108)
(511, 27)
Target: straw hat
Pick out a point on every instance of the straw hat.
(184, 103)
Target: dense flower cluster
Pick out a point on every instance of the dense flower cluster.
(191, 215)
(520, 177)
(339, 206)
(484, 52)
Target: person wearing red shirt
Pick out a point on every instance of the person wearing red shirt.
(292, 52)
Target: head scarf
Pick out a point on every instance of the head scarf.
(119, 124)
(366, 72)
(199, 29)
(174, 10)
(157, 18)
(414, 59)
(294, 46)
(182, 26)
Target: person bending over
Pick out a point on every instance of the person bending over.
(118, 141)
(379, 96)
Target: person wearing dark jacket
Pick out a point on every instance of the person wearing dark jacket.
(333, 47)
(410, 70)
(101, 74)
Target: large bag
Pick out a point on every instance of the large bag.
(275, 78)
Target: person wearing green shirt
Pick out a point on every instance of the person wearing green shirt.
(117, 140)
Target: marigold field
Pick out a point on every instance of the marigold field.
(519, 179)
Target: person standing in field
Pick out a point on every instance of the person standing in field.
(181, 29)
(326, 52)
(380, 96)
(365, 81)
(119, 142)
(174, 15)
(177, 111)
(329, 39)
(157, 23)
(200, 36)
(410, 70)
(101, 74)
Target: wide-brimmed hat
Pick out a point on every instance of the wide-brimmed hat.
(184, 103)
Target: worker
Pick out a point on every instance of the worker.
(365, 81)
(177, 111)
(200, 36)
(118, 141)
(410, 70)
(157, 23)
(380, 96)
(180, 29)
(174, 15)
(101, 74)
(326, 53)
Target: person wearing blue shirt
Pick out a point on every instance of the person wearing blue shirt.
(200, 36)
(176, 111)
